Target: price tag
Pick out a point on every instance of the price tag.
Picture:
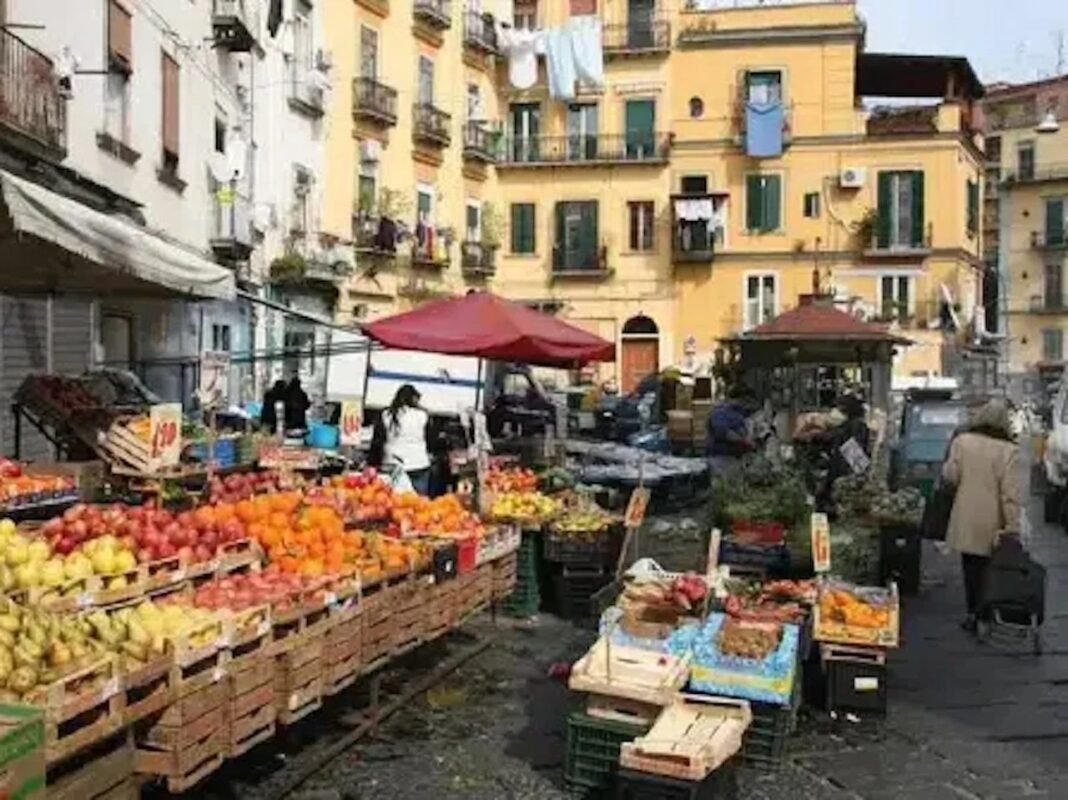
(217, 674)
(351, 422)
(86, 600)
(635, 513)
(165, 433)
(225, 640)
(865, 684)
(330, 599)
(855, 456)
(430, 579)
(821, 543)
(294, 701)
(263, 628)
(178, 574)
(109, 689)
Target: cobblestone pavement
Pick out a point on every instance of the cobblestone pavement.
(967, 720)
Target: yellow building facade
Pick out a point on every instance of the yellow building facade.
(635, 210)
(1025, 224)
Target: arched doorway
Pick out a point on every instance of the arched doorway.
(640, 351)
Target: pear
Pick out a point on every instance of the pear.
(38, 550)
(18, 552)
(59, 654)
(52, 572)
(77, 566)
(137, 632)
(27, 574)
(125, 561)
(7, 528)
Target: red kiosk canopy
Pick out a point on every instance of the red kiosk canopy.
(484, 325)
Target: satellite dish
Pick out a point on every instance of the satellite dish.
(237, 156)
(220, 168)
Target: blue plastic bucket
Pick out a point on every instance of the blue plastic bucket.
(322, 436)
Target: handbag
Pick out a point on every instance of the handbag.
(937, 511)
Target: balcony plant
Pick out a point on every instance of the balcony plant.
(289, 267)
(492, 228)
(864, 228)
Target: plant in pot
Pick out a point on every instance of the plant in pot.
(289, 267)
(864, 228)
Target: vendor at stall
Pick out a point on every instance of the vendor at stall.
(727, 438)
(401, 438)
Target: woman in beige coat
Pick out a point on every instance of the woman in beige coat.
(984, 465)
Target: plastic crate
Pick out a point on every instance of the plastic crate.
(574, 589)
(563, 549)
(856, 685)
(592, 759)
(722, 784)
(764, 743)
(525, 599)
(773, 558)
(900, 552)
(753, 532)
(445, 562)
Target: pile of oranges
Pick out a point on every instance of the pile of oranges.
(310, 538)
(443, 516)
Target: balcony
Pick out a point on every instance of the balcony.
(306, 95)
(479, 33)
(33, 110)
(321, 268)
(374, 237)
(697, 226)
(433, 253)
(234, 25)
(1044, 173)
(1047, 304)
(577, 264)
(435, 14)
(477, 260)
(374, 101)
(480, 143)
(593, 150)
(644, 37)
(431, 125)
(231, 231)
(1049, 240)
(899, 250)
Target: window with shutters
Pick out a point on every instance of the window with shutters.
(1052, 344)
(640, 225)
(426, 81)
(900, 218)
(811, 206)
(1053, 284)
(220, 338)
(366, 193)
(525, 15)
(522, 224)
(1055, 221)
(576, 247)
(473, 221)
(170, 114)
(300, 221)
(761, 299)
(368, 53)
(993, 149)
(694, 184)
(895, 298)
(1025, 161)
(763, 87)
(972, 220)
(763, 203)
(525, 127)
(120, 38)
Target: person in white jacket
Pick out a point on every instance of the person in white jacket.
(401, 438)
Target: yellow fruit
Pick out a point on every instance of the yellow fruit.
(52, 572)
(28, 574)
(18, 552)
(118, 582)
(77, 566)
(7, 527)
(103, 561)
(125, 561)
(39, 550)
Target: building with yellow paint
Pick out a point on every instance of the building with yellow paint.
(727, 159)
(410, 143)
(1025, 243)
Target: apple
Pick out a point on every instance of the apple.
(64, 546)
(202, 552)
(186, 553)
(166, 549)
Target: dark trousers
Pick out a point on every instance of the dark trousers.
(974, 569)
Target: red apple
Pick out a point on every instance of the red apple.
(202, 553)
(166, 549)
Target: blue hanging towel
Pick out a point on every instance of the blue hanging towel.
(763, 129)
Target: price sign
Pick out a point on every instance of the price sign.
(214, 371)
(635, 513)
(351, 422)
(855, 456)
(165, 433)
(821, 543)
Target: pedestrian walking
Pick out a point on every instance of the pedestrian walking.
(984, 465)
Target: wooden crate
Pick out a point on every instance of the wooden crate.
(308, 617)
(248, 636)
(159, 736)
(249, 730)
(192, 677)
(95, 773)
(377, 639)
(622, 709)
(827, 630)
(298, 679)
(236, 555)
(342, 674)
(80, 709)
(184, 768)
(252, 708)
(195, 705)
(297, 702)
(148, 689)
(618, 671)
(692, 737)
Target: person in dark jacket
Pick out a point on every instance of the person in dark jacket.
(297, 405)
(268, 414)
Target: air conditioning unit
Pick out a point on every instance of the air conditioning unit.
(853, 177)
(370, 151)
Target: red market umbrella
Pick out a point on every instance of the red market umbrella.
(484, 325)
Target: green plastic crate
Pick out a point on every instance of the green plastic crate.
(593, 746)
(525, 599)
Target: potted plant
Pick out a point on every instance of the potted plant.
(865, 228)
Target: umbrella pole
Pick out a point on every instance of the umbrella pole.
(478, 386)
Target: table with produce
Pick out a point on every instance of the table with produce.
(183, 638)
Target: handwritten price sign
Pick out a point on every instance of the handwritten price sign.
(351, 422)
(165, 433)
(821, 543)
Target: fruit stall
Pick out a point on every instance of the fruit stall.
(153, 645)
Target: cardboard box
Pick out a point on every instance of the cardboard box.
(22, 752)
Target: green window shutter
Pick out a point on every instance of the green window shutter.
(517, 233)
(1055, 221)
(559, 251)
(917, 209)
(772, 202)
(522, 227)
(754, 203)
(972, 216)
(882, 222)
(531, 229)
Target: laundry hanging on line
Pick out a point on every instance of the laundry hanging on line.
(522, 49)
(574, 52)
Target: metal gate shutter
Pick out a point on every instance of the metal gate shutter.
(71, 334)
(24, 349)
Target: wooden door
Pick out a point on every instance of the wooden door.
(640, 357)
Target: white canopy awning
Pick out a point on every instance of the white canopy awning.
(99, 253)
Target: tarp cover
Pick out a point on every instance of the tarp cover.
(118, 255)
(484, 325)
